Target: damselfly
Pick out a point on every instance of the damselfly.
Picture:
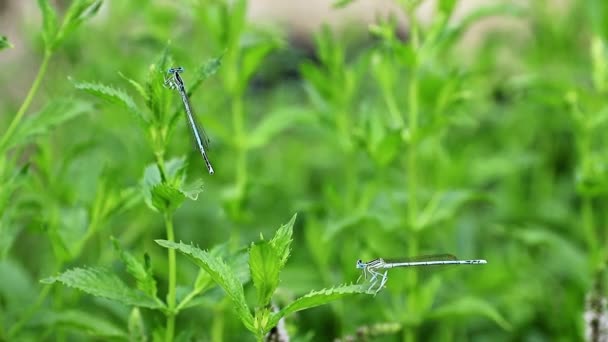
(372, 267)
(174, 81)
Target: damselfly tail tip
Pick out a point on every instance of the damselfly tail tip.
(211, 171)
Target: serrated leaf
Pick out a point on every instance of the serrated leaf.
(265, 265)
(316, 298)
(137, 329)
(77, 13)
(470, 306)
(276, 123)
(142, 272)
(223, 275)
(136, 85)
(52, 115)
(4, 43)
(282, 240)
(101, 282)
(85, 322)
(113, 95)
(208, 69)
(49, 24)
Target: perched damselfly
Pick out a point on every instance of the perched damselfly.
(174, 81)
(372, 267)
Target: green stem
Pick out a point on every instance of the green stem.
(409, 334)
(587, 219)
(171, 312)
(29, 312)
(238, 121)
(28, 100)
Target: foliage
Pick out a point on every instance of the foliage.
(389, 147)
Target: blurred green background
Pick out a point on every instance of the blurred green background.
(388, 140)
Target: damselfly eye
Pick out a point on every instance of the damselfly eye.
(359, 263)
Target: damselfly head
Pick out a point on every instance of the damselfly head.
(360, 264)
(175, 70)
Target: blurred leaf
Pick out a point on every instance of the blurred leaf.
(77, 13)
(54, 114)
(137, 329)
(443, 206)
(452, 34)
(85, 322)
(276, 123)
(341, 3)
(468, 306)
(141, 272)
(223, 275)
(49, 24)
(316, 298)
(136, 85)
(282, 240)
(4, 43)
(427, 295)
(8, 231)
(101, 282)
(599, 59)
(252, 58)
(19, 291)
(264, 264)
(208, 69)
(113, 95)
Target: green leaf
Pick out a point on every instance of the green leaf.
(77, 13)
(223, 275)
(470, 306)
(166, 198)
(275, 123)
(4, 43)
(113, 95)
(208, 69)
(137, 329)
(282, 240)
(169, 195)
(253, 57)
(83, 321)
(444, 206)
(265, 266)
(316, 298)
(101, 282)
(453, 33)
(341, 3)
(19, 291)
(141, 272)
(49, 24)
(54, 114)
(136, 85)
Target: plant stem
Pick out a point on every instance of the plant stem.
(29, 312)
(587, 219)
(238, 121)
(409, 333)
(28, 100)
(169, 333)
